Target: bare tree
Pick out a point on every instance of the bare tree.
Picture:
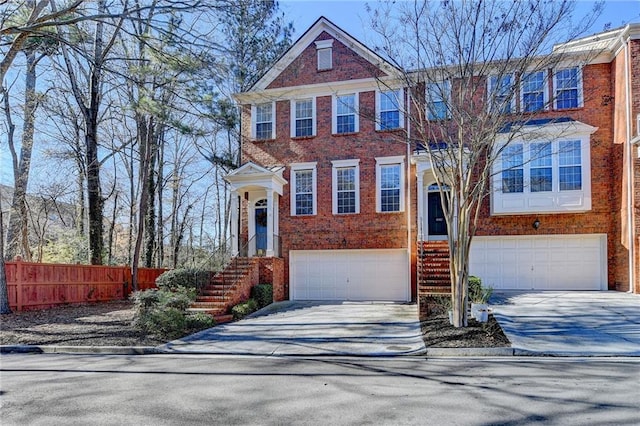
(445, 53)
(4, 291)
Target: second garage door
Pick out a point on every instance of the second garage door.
(550, 262)
(358, 275)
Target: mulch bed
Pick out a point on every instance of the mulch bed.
(94, 324)
(438, 333)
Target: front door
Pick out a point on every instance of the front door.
(437, 223)
(261, 229)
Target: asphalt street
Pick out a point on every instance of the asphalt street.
(49, 389)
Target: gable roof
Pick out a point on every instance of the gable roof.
(321, 25)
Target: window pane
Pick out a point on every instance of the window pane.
(304, 127)
(346, 189)
(304, 118)
(533, 87)
(512, 174)
(570, 178)
(390, 188)
(389, 110)
(569, 152)
(570, 160)
(263, 131)
(437, 97)
(345, 124)
(501, 94)
(346, 104)
(540, 154)
(541, 179)
(304, 192)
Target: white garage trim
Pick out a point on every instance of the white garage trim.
(357, 275)
(546, 262)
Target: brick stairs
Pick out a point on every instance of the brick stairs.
(433, 268)
(216, 298)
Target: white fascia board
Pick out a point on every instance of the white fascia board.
(547, 131)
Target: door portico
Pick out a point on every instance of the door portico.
(262, 189)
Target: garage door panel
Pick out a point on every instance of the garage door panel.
(550, 262)
(357, 275)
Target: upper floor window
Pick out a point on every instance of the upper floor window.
(500, 93)
(534, 91)
(325, 54)
(303, 117)
(346, 186)
(438, 98)
(390, 184)
(513, 168)
(345, 118)
(567, 88)
(570, 166)
(303, 189)
(262, 115)
(389, 109)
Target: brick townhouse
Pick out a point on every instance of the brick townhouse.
(329, 184)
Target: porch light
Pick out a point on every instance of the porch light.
(344, 242)
(536, 224)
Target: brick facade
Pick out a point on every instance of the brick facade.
(371, 230)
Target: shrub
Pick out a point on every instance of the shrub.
(477, 292)
(241, 310)
(163, 312)
(263, 294)
(185, 277)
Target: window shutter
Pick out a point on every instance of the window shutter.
(324, 59)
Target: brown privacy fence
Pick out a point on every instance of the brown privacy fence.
(42, 285)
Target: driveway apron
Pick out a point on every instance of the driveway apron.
(314, 328)
(575, 323)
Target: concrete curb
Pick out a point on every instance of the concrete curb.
(473, 352)
(104, 350)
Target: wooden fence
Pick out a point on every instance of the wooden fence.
(41, 285)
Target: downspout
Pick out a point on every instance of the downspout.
(629, 155)
(408, 197)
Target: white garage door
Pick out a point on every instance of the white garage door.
(356, 275)
(559, 262)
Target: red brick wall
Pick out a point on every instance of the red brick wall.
(346, 66)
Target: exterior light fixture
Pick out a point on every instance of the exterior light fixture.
(536, 224)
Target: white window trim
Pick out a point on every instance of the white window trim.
(555, 88)
(383, 161)
(490, 88)
(334, 181)
(400, 107)
(545, 91)
(292, 113)
(554, 201)
(304, 166)
(334, 109)
(446, 100)
(254, 122)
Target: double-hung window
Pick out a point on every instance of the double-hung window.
(540, 167)
(390, 184)
(567, 88)
(346, 186)
(438, 98)
(303, 117)
(513, 168)
(389, 107)
(303, 189)
(345, 118)
(263, 121)
(500, 93)
(570, 165)
(534, 91)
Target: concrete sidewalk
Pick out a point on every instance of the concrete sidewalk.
(313, 328)
(576, 323)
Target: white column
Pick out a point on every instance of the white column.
(251, 228)
(270, 215)
(421, 211)
(235, 214)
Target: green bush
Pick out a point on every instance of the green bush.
(477, 292)
(185, 277)
(163, 313)
(263, 294)
(241, 310)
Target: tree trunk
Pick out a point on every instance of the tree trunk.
(149, 207)
(18, 229)
(4, 291)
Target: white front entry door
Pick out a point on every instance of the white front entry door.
(548, 262)
(357, 275)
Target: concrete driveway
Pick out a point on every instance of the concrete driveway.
(314, 328)
(586, 323)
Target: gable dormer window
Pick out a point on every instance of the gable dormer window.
(325, 54)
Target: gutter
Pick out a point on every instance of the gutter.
(629, 154)
(408, 197)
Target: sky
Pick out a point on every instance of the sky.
(352, 16)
